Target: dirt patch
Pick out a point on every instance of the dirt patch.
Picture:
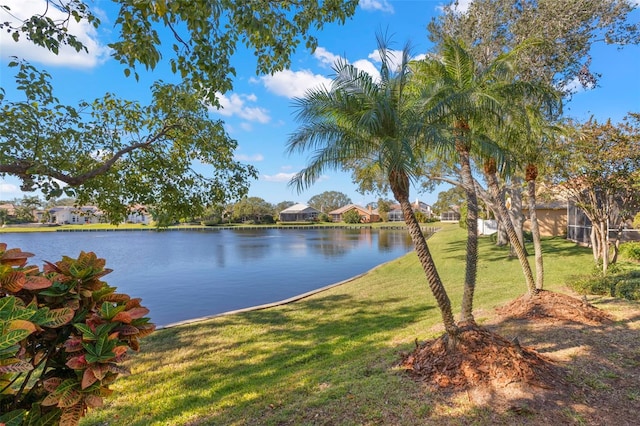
(551, 359)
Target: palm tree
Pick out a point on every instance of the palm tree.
(481, 107)
(368, 120)
(466, 103)
(536, 144)
(532, 104)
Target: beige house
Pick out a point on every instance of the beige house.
(367, 215)
(552, 218)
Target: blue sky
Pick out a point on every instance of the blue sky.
(258, 112)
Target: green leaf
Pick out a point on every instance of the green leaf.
(12, 338)
(7, 305)
(86, 331)
(108, 310)
(13, 418)
(57, 317)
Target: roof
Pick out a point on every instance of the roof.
(10, 208)
(348, 207)
(299, 208)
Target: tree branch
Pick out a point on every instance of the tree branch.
(27, 169)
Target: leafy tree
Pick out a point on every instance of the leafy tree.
(252, 208)
(203, 35)
(329, 201)
(384, 207)
(569, 27)
(116, 153)
(606, 187)
(351, 216)
(373, 121)
(4, 216)
(453, 196)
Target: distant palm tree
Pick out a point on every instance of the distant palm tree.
(373, 121)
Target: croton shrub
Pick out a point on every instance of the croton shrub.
(64, 334)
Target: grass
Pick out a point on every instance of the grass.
(327, 359)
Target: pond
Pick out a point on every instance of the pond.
(182, 275)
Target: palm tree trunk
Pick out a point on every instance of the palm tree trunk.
(531, 176)
(400, 187)
(492, 180)
(472, 236)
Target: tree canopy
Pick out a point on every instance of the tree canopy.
(606, 187)
(168, 155)
(329, 201)
(203, 35)
(117, 153)
(569, 28)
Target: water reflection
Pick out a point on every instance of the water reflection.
(183, 275)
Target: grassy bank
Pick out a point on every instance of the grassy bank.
(328, 359)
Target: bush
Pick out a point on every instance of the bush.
(212, 221)
(64, 334)
(323, 217)
(351, 216)
(421, 217)
(630, 251)
(623, 284)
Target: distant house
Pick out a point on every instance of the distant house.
(74, 215)
(9, 208)
(299, 213)
(139, 214)
(395, 213)
(367, 215)
(452, 215)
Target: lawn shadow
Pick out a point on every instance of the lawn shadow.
(318, 348)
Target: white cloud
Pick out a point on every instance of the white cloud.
(293, 84)
(368, 67)
(249, 158)
(67, 56)
(374, 5)
(9, 191)
(575, 86)
(279, 177)
(325, 57)
(461, 7)
(236, 105)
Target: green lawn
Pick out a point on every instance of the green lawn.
(327, 359)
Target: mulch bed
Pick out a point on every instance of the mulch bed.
(554, 306)
(480, 357)
(516, 380)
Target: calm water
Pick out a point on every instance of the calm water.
(182, 275)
